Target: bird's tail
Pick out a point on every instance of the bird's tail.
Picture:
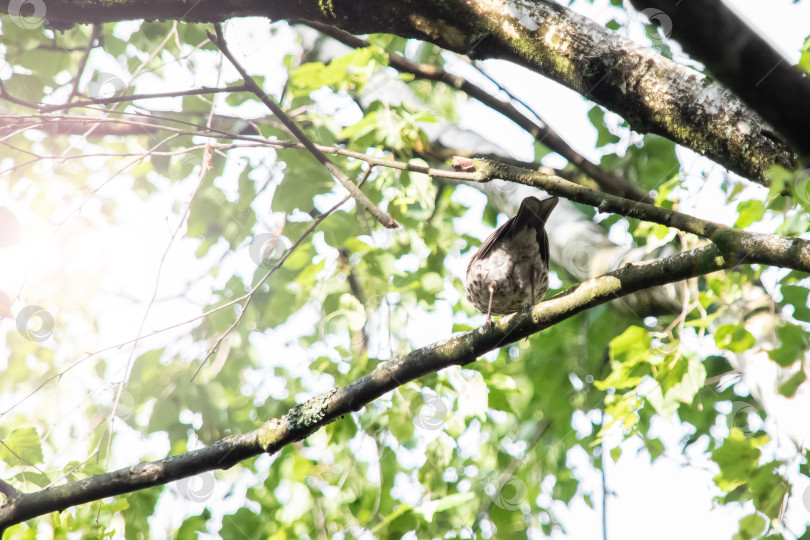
(534, 212)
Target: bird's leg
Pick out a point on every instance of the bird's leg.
(531, 281)
(492, 288)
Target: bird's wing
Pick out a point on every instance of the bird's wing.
(532, 213)
(505, 231)
(543, 243)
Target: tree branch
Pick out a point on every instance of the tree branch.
(776, 250)
(8, 490)
(540, 131)
(745, 62)
(135, 97)
(306, 418)
(769, 249)
(654, 94)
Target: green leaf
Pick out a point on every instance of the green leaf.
(22, 447)
(304, 178)
(26, 87)
(768, 489)
(750, 527)
(678, 383)
(655, 447)
(349, 71)
(242, 523)
(796, 296)
(737, 458)
(654, 163)
(603, 136)
(565, 488)
(750, 212)
(630, 356)
(141, 507)
(804, 59)
(789, 387)
(734, 338)
(792, 344)
(428, 509)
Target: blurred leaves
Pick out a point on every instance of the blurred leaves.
(427, 459)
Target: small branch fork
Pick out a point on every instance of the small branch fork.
(384, 219)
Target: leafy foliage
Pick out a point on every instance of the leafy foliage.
(483, 450)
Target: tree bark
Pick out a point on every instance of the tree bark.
(742, 60)
(654, 94)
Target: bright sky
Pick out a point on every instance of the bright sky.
(665, 500)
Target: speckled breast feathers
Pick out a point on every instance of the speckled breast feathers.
(509, 272)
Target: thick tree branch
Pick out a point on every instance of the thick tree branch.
(769, 249)
(742, 60)
(308, 417)
(541, 132)
(654, 94)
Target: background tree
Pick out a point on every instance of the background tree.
(304, 201)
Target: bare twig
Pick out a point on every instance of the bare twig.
(95, 34)
(604, 480)
(8, 97)
(249, 296)
(135, 97)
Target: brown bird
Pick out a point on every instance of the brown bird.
(509, 272)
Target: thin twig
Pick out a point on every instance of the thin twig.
(22, 460)
(95, 34)
(604, 481)
(249, 296)
(135, 97)
(175, 233)
(111, 178)
(384, 219)
(541, 428)
(8, 97)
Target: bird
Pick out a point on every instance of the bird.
(509, 272)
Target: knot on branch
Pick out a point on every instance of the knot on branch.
(482, 168)
(731, 244)
(309, 413)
